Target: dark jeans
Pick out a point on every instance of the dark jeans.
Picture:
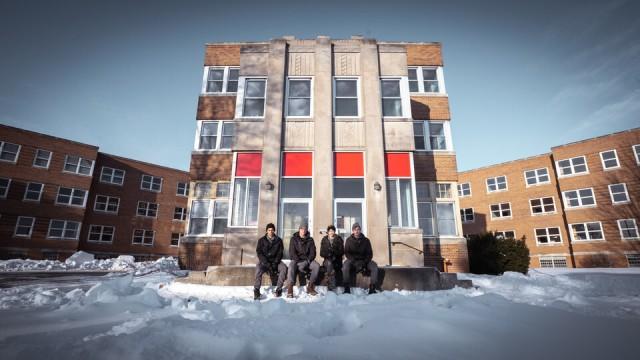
(333, 271)
(261, 269)
(303, 266)
(348, 266)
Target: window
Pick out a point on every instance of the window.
(628, 229)
(423, 79)
(151, 183)
(9, 152)
(182, 189)
(202, 190)
(432, 135)
(391, 97)
(78, 165)
(220, 79)
(537, 177)
(573, 166)
(112, 176)
(425, 208)
(502, 210)
(33, 192)
(553, 262)
(579, 198)
(507, 234)
(446, 219)
(109, 204)
(498, 183)
(175, 239)
(548, 236)
(254, 97)
(180, 213)
(464, 189)
(619, 194)
(633, 260)
(42, 159)
(245, 202)
(636, 152)
(444, 191)
(400, 203)
(215, 135)
(63, 229)
(222, 190)
(345, 101)
(436, 216)
(4, 187)
(298, 97)
(466, 215)
(100, 233)
(148, 209)
(24, 226)
(71, 197)
(543, 205)
(220, 215)
(587, 231)
(199, 220)
(143, 237)
(609, 159)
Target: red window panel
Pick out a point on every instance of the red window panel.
(397, 164)
(297, 164)
(249, 164)
(348, 164)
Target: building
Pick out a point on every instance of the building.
(324, 131)
(577, 206)
(58, 196)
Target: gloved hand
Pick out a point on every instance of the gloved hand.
(359, 265)
(274, 267)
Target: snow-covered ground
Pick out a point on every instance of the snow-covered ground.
(592, 314)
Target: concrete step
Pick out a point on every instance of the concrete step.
(390, 278)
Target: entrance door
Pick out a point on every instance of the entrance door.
(348, 212)
(292, 214)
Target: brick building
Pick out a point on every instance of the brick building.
(324, 131)
(58, 196)
(577, 206)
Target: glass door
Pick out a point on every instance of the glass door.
(348, 212)
(292, 214)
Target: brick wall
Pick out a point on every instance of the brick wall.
(222, 55)
(216, 107)
(424, 54)
(430, 108)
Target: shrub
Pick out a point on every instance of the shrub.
(489, 254)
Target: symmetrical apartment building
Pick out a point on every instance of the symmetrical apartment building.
(58, 196)
(577, 206)
(324, 131)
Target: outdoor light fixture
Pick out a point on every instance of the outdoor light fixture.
(268, 186)
(377, 186)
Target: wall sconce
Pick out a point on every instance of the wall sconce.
(377, 186)
(268, 186)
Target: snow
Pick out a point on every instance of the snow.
(589, 314)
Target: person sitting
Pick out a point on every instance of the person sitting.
(332, 250)
(269, 251)
(302, 251)
(359, 255)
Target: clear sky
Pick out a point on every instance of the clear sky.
(125, 75)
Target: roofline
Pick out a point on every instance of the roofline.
(332, 39)
(49, 136)
(143, 162)
(505, 163)
(596, 137)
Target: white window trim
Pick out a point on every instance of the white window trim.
(232, 189)
(635, 223)
(26, 190)
(553, 260)
(470, 192)
(548, 236)
(64, 229)
(152, 177)
(2, 143)
(4, 196)
(425, 134)
(566, 202)
(500, 206)
(604, 168)
(77, 172)
(473, 214)
(543, 213)
(405, 99)
(571, 235)
(124, 173)
(212, 218)
(153, 239)
(414, 201)
(184, 213)
(506, 184)
(311, 97)
(359, 94)
(15, 229)
(538, 183)
(95, 204)
(147, 209)
(240, 97)
(586, 165)
(35, 157)
(361, 201)
(84, 200)
(420, 78)
(225, 80)
(503, 233)
(221, 123)
(629, 255)
(101, 232)
(180, 236)
(636, 153)
(626, 191)
(209, 218)
(186, 189)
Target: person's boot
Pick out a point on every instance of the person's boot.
(278, 292)
(347, 290)
(256, 294)
(372, 289)
(290, 291)
(311, 289)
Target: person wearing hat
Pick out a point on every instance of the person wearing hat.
(269, 251)
(359, 255)
(302, 251)
(332, 250)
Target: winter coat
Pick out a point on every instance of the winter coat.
(301, 249)
(269, 252)
(333, 252)
(358, 249)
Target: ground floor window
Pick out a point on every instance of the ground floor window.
(547, 236)
(553, 262)
(63, 229)
(633, 260)
(246, 193)
(400, 203)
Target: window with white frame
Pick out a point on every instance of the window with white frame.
(628, 229)
(443, 191)
(547, 236)
(446, 218)
(464, 189)
(180, 213)
(78, 165)
(4, 187)
(147, 209)
(537, 177)
(499, 211)
(579, 198)
(432, 135)
(467, 215)
(9, 151)
(108, 204)
(112, 176)
(619, 194)
(636, 152)
(573, 166)
(33, 192)
(544, 205)
(199, 217)
(391, 97)
(587, 231)
(221, 208)
(298, 97)
(182, 189)
(609, 159)
(425, 204)
(506, 234)
(42, 159)
(175, 239)
(215, 135)
(553, 262)
(426, 79)
(633, 260)
(436, 216)
(143, 237)
(202, 190)
(254, 97)
(151, 183)
(498, 183)
(24, 226)
(101, 233)
(400, 203)
(246, 193)
(63, 229)
(220, 79)
(345, 99)
(71, 197)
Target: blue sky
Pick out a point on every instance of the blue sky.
(125, 75)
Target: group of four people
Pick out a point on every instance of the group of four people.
(302, 251)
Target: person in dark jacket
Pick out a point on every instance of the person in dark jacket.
(302, 251)
(332, 250)
(269, 251)
(359, 255)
